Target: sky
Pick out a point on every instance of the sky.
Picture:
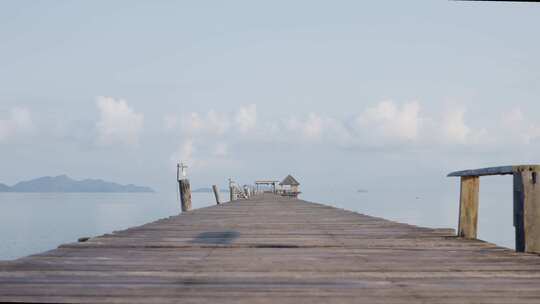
(341, 94)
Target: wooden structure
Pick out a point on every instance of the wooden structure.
(184, 187)
(526, 203)
(232, 190)
(235, 191)
(289, 186)
(216, 193)
(268, 182)
(271, 249)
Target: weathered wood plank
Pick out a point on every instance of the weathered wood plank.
(468, 207)
(502, 170)
(269, 249)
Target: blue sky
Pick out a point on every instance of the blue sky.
(359, 92)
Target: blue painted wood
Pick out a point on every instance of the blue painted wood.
(503, 170)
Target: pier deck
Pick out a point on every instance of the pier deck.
(270, 249)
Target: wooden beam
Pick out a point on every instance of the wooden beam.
(503, 170)
(484, 171)
(468, 207)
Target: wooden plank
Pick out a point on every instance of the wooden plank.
(503, 170)
(468, 207)
(270, 249)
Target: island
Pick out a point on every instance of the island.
(64, 183)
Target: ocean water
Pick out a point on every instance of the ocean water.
(36, 222)
(436, 207)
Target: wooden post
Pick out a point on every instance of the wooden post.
(518, 212)
(231, 190)
(216, 193)
(468, 207)
(185, 194)
(527, 193)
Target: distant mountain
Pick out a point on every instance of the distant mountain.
(4, 188)
(207, 190)
(64, 183)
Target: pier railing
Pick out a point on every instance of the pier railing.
(526, 203)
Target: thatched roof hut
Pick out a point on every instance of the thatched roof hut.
(289, 181)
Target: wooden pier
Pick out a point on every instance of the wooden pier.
(274, 249)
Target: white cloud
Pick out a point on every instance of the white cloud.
(213, 123)
(532, 133)
(185, 151)
(391, 121)
(18, 122)
(310, 128)
(516, 126)
(454, 128)
(513, 117)
(188, 154)
(199, 154)
(313, 126)
(118, 123)
(384, 126)
(246, 118)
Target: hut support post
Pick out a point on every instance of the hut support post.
(468, 207)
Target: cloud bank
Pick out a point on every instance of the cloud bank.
(387, 126)
(18, 122)
(384, 125)
(118, 123)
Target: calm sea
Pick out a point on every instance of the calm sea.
(32, 223)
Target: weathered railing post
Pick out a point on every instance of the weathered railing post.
(526, 203)
(216, 193)
(468, 207)
(185, 194)
(185, 189)
(527, 209)
(231, 190)
(518, 212)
